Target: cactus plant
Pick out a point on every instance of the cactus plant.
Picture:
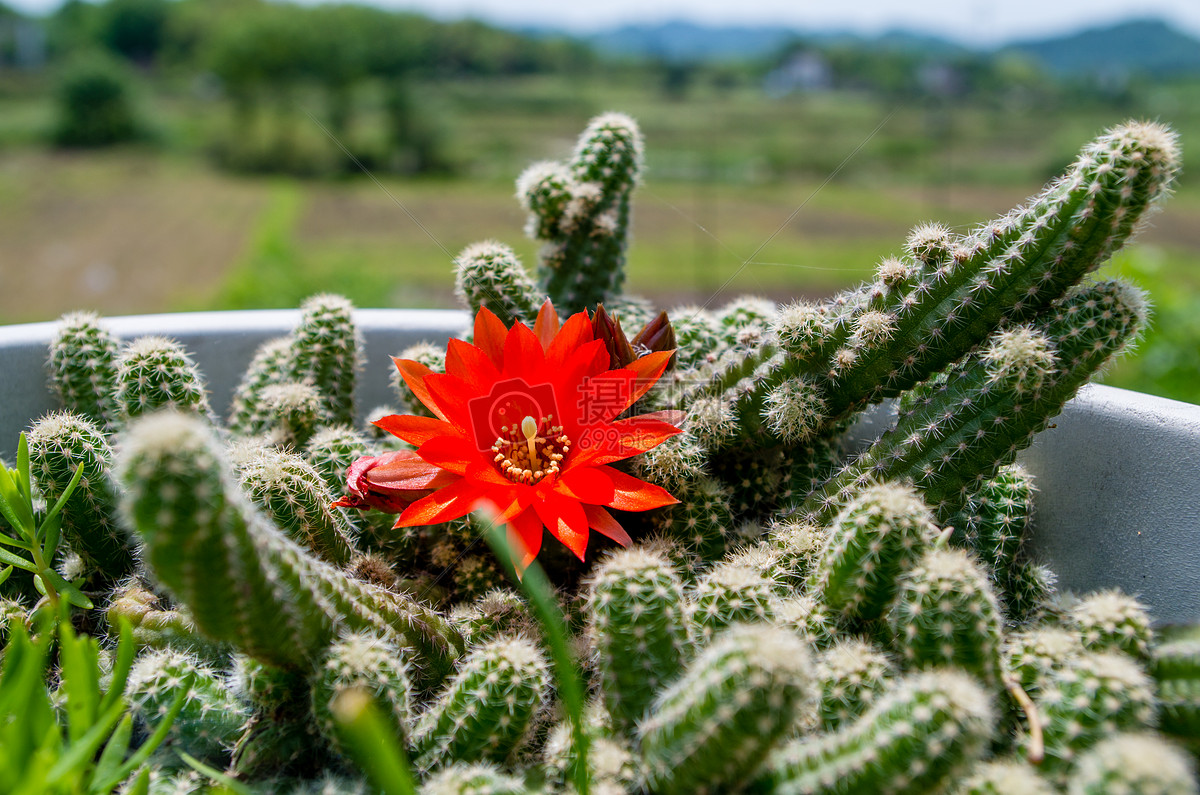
(300, 637)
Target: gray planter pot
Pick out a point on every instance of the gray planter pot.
(1118, 474)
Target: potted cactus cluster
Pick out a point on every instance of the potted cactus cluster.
(596, 547)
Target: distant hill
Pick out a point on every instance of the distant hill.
(688, 41)
(1146, 46)
(1141, 46)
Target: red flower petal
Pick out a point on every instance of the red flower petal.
(415, 430)
(648, 369)
(635, 495)
(565, 519)
(489, 335)
(574, 334)
(414, 374)
(452, 453)
(525, 538)
(547, 324)
(471, 364)
(457, 499)
(604, 444)
(523, 355)
(586, 484)
(603, 523)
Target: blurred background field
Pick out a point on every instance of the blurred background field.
(173, 155)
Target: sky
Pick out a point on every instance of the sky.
(973, 22)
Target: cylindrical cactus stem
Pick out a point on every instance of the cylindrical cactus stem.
(638, 628)
(476, 575)
(919, 735)
(1111, 620)
(211, 719)
(850, 676)
(1176, 670)
(921, 315)
(702, 521)
(946, 615)
(244, 581)
(155, 627)
(798, 547)
(292, 494)
(473, 778)
(878, 535)
(808, 618)
(1027, 591)
(711, 729)
(485, 710)
(1004, 777)
(729, 594)
(374, 664)
(498, 612)
(83, 368)
(332, 450)
(274, 694)
(326, 352)
(155, 373)
(988, 407)
(270, 365)
(1139, 764)
(59, 444)
(296, 411)
(1033, 656)
(1101, 694)
(995, 518)
(490, 275)
(581, 211)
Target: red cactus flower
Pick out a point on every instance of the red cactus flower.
(526, 425)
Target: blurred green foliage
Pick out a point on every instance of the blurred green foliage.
(95, 103)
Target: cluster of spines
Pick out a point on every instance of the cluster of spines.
(372, 664)
(920, 734)
(485, 710)
(59, 445)
(850, 677)
(1139, 763)
(927, 311)
(83, 368)
(245, 581)
(156, 373)
(728, 594)
(639, 630)
(581, 210)
(490, 275)
(710, 730)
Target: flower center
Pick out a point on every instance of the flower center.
(530, 451)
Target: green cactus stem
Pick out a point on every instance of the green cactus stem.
(927, 311)
(639, 629)
(60, 444)
(1110, 620)
(490, 275)
(1138, 764)
(918, 736)
(270, 365)
(1176, 670)
(581, 211)
(484, 712)
(710, 730)
(879, 535)
(326, 353)
(373, 664)
(850, 677)
(988, 407)
(83, 368)
(729, 594)
(244, 581)
(292, 494)
(155, 373)
(946, 615)
(1004, 777)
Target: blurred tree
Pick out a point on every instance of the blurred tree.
(134, 29)
(95, 103)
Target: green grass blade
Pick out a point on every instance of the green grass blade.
(372, 742)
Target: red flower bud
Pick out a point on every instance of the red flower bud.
(657, 335)
(605, 328)
(391, 482)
